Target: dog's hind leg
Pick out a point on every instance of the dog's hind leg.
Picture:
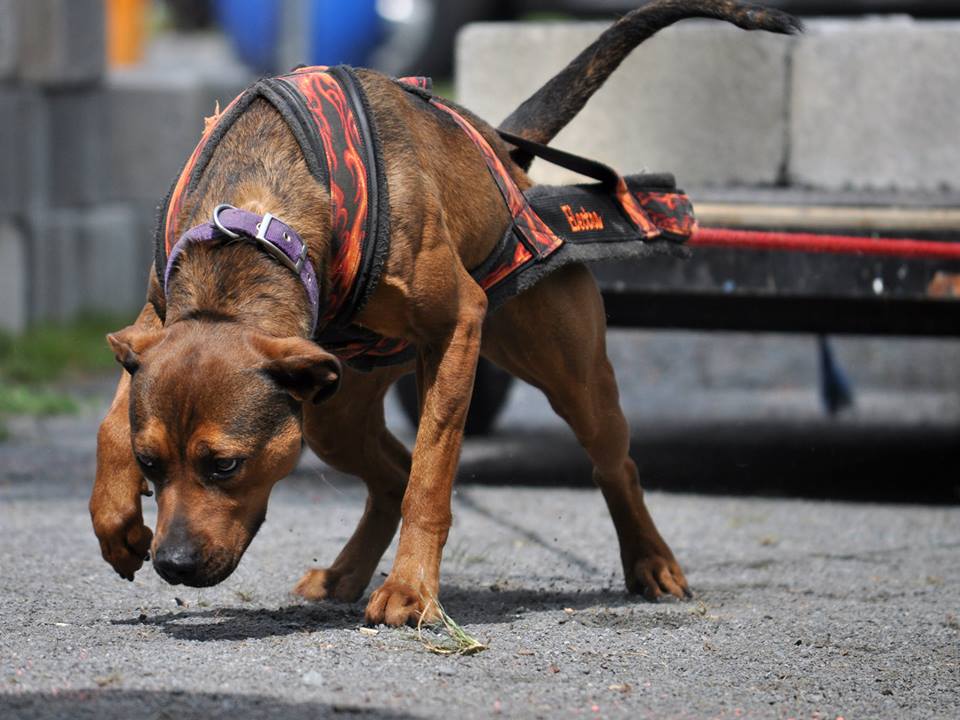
(349, 433)
(554, 337)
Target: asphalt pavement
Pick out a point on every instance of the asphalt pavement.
(805, 607)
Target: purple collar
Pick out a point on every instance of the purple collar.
(270, 233)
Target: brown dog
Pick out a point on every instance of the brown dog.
(224, 380)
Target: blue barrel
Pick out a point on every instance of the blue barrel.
(343, 32)
(337, 31)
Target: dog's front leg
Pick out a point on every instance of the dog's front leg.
(445, 373)
(115, 501)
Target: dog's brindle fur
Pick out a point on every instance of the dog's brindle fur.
(223, 367)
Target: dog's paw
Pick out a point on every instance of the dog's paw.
(124, 542)
(396, 603)
(655, 576)
(328, 584)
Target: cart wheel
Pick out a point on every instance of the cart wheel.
(490, 390)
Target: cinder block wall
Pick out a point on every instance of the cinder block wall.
(701, 99)
(866, 104)
(876, 105)
(85, 158)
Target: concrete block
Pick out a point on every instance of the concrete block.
(876, 104)
(154, 121)
(9, 37)
(78, 146)
(702, 100)
(24, 150)
(54, 262)
(111, 273)
(85, 259)
(146, 217)
(11, 163)
(62, 41)
(13, 278)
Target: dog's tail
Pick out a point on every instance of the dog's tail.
(549, 109)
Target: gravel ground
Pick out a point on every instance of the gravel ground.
(804, 608)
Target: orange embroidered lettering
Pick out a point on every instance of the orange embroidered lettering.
(583, 219)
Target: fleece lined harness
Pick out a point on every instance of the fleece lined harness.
(327, 111)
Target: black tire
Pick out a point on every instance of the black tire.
(490, 391)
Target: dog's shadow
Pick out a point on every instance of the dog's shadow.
(248, 623)
(469, 606)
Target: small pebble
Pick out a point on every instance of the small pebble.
(312, 678)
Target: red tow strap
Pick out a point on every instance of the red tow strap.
(814, 243)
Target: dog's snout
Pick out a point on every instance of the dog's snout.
(177, 563)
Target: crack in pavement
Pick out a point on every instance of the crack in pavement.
(465, 497)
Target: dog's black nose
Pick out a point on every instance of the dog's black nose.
(177, 563)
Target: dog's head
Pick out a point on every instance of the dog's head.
(215, 418)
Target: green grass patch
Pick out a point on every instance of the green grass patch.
(26, 400)
(48, 352)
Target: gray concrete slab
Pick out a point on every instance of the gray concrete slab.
(864, 104)
(79, 141)
(62, 261)
(156, 111)
(111, 271)
(11, 194)
(146, 213)
(53, 148)
(701, 100)
(13, 277)
(875, 106)
(24, 150)
(154, 122)
(56, 286)
(62, 42)
(9, 37)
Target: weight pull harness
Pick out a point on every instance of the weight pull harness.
(326, 109)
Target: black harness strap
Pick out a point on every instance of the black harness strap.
(584, 166)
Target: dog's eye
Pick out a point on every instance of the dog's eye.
(225, 467)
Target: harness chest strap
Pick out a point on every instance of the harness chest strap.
(356, 183)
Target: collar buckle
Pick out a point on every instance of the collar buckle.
(271, 246)
(263, 227)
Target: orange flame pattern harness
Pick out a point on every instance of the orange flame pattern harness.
(326, 110)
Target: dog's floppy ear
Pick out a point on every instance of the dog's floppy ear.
(129, 343)
(301, 367)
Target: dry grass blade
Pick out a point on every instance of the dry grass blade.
(457, 641)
